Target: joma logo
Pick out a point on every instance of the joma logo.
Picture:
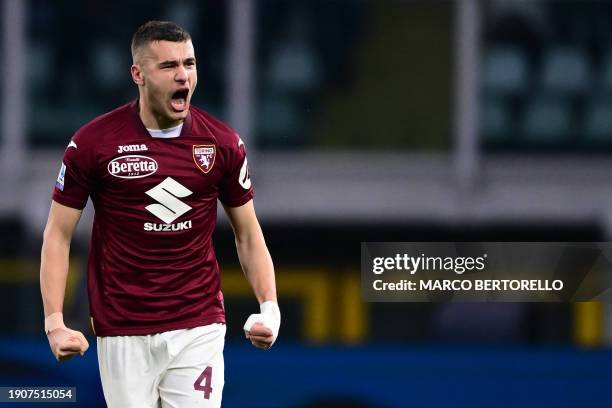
(132, 148)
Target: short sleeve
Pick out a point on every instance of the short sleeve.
(236, 188)
(75, 179)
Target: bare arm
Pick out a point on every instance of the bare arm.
(261, 328)
(61, 224)
(253, 253)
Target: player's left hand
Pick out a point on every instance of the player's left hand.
(262, 328)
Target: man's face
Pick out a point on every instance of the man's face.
(169, 78)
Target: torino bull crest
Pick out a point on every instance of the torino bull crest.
(204, 157)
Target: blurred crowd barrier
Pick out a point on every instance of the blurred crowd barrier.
(319, 286)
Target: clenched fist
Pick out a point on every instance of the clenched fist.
(64, 342)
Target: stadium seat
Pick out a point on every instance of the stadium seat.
(108, 65)
(597, 125)
(546, 120)
(605, 75)
(54, 122)
(505, 71)
(294, 67)
(565, 71)
(39, 66)
(495, 121)
(277, 119)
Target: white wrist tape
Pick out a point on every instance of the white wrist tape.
(270, 317)
(54, 321)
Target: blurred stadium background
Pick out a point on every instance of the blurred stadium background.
(366, 120)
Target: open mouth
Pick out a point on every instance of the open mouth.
(178, 100)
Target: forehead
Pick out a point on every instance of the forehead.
(169, 50)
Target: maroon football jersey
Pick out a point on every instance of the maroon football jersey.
(152, 265)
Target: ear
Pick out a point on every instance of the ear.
(137, 75)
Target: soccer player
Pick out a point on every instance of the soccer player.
(154, 170)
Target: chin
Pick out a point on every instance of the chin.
(178, 115)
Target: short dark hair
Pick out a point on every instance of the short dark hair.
(158, 31)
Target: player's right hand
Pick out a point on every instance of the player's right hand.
(66, 343)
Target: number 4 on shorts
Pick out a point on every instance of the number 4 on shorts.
(206, 379)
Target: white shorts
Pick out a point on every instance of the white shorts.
(175, 369)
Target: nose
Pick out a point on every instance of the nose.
(181, 74)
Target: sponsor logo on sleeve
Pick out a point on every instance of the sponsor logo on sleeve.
(204, 157)
(132, 166)
(244, 178)
(59, 183)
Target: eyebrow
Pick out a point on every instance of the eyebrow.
(172, 63)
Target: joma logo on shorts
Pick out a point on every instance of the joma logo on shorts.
(132, 148)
